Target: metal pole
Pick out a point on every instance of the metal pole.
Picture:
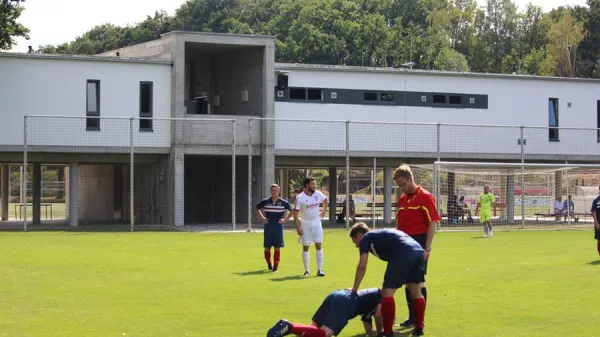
(233, 174)
(131, 177)
(24, 175)
(347, 174)
(567, 200)
(249, 175)
(522, 176)
(439, 141)
(373, 191)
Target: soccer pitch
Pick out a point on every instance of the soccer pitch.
(201, 284)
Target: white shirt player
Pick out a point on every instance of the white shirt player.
(308, 206)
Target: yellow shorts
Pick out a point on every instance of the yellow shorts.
(485, 216)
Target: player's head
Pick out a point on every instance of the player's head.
(570, 197)
(486, 189)
(358, 231)
(274, 190)
(309, 184)
(462, 197)
(404, 179)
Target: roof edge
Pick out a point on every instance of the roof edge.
(95, 58)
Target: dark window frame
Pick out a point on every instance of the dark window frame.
(372, 94)
(297, 90)
(92, 121)
(314, 90)
(434, 96)
(391, 97)
(149, 125)
(553, 130)
(598, 120)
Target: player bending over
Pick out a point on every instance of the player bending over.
(596, 214)
(486, 201)
(334, 313)
(274, 217)
(310, 228)
(405, 265)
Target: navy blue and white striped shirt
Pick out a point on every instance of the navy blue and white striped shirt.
(274, 211)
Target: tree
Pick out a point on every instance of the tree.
(562, 57)
(451, 60)
(10, 11)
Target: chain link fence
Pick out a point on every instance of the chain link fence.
(209, 173)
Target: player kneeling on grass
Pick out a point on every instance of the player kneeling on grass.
(405, 265)
(334, 313)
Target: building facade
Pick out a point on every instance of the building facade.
(192, 109)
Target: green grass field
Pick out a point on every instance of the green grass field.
(193, 284)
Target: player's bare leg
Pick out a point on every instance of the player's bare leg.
(319, 253)
(418, 304)
(306, 260)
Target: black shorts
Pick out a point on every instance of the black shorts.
(422, 240)
(596, 234)
(335, 311)
(404, 269)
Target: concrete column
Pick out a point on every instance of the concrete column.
(503, 197)
(4, 192)
(73, 193)
(510, 197)
(451, 184)
(178, 199)
(37, 193)
(66, 195)
(387, 195)
(332, 194)
(285, 184)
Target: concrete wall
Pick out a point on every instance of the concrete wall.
(152, 193)
(53, 86)
(95, 193)
(153, 49)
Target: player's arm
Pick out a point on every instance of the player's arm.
(259, 214)
(594, 215)
(361, 270)
(296, 221)
(324, 207)
(433, 217)
(378, 320)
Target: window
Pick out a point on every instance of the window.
(439, 99)
(370, 96)
(146, 105)
(92, 122)
(553, 119)
(315, 94)
(387, 97)
(454, 99)
(297, 93)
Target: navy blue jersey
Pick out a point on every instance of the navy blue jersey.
(367, 299)
(388, 243)
(274, 211)
(596, 207)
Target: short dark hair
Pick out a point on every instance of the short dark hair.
(307, 181)
(359, 228)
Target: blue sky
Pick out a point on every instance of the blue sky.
(48, 24)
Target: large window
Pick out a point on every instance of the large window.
(553, 119)
(146, 101)
(92, 122)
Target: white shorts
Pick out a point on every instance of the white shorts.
(312, 231)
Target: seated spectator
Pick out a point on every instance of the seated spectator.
(341, 216)
(569, 209)
(558, 208)
(464, 208)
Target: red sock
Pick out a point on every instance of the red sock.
(598, 247)
(277, 256)
(268, 256)
(307, 330)
(419, 309)
(388, 311)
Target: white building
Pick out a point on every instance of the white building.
(182, 101)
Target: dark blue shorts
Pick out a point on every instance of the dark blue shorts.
(335, 311)
(596, 234)
(404, 269)
(422, 240)
(273, 236)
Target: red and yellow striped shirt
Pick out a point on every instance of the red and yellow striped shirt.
(416, 211)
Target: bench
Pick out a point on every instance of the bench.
(554, 215)
(21, 206)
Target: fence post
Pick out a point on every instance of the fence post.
(131, 177)
(24, 183)
(250, 174)
(233, 174)
(567, 200)
(347, 176)
(439, 141)
(522, 176)
(374, 191)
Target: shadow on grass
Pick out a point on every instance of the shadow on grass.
(477, 237)
(397, 333)
(252, 273)
(288, 278)
(594, 263)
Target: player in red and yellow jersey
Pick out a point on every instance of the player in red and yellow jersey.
(418, 217)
